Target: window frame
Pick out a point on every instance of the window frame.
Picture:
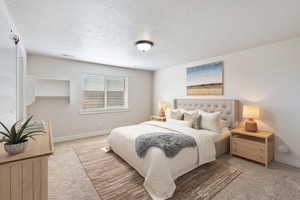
(106, 109)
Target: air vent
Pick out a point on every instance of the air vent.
(67, 55)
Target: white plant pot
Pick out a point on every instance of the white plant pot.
(13, 149)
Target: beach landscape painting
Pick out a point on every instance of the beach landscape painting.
(205, 79)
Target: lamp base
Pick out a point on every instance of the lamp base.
(251, 125)
(162, 113)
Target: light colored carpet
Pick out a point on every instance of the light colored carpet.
(114, 179)
(69, 181)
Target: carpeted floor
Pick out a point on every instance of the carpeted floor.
(114, 179)
(69, 181)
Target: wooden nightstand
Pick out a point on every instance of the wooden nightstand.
(158, 118)
(258, 146)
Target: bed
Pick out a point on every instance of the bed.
(159, 171)
(230, 113)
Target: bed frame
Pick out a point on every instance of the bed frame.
(229, 113)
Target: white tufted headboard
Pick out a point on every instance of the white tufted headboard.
(229, 108)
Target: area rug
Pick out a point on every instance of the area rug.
(114, 179)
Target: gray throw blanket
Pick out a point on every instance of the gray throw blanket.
(170, 143)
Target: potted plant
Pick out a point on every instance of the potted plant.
(16, 138)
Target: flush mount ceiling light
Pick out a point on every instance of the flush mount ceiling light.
(144, 45)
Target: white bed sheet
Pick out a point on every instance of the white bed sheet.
(158, 170)
(220, 136)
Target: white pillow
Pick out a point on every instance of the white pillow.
(169, 110)
(179, 122)
(210, 121)
(222, 123)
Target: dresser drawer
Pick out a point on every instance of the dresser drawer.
(248, 149)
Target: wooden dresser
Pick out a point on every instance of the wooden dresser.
(25, 176)
(258, 146)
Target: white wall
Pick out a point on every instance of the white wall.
(8, 69)
(12, 67)
(268, 76)
(67, 121)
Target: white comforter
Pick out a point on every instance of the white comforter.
(158, 170)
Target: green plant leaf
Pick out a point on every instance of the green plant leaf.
(24, 126)
(32, 133)
(7, 130)
(13, 128)
(17, 135)
(22, 140)
(5, 134)
(4, 140)
(14, 133)
(29, 135)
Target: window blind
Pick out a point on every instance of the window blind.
(104, 92)
(115, 92)
(94, 92)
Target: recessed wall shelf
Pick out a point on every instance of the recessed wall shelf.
(52, 88)
(47, 88)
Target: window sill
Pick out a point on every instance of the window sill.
(111, 110)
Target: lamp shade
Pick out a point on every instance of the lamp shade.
(251, 111)
(162, 105)
(162, 108)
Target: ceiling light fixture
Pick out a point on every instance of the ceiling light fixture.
(144, 45)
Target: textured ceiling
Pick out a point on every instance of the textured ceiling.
(104, 31)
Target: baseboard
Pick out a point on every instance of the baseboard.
(82, 135)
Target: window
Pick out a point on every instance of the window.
(103, 93)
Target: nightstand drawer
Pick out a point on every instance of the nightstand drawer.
(257, 146)
(248, 149)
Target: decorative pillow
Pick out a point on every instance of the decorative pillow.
(194, 117)
(173, 113)
(180, 122)
(210, 121)
(176, 115)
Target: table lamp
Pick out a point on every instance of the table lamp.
(250, 112)
(162, 108)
